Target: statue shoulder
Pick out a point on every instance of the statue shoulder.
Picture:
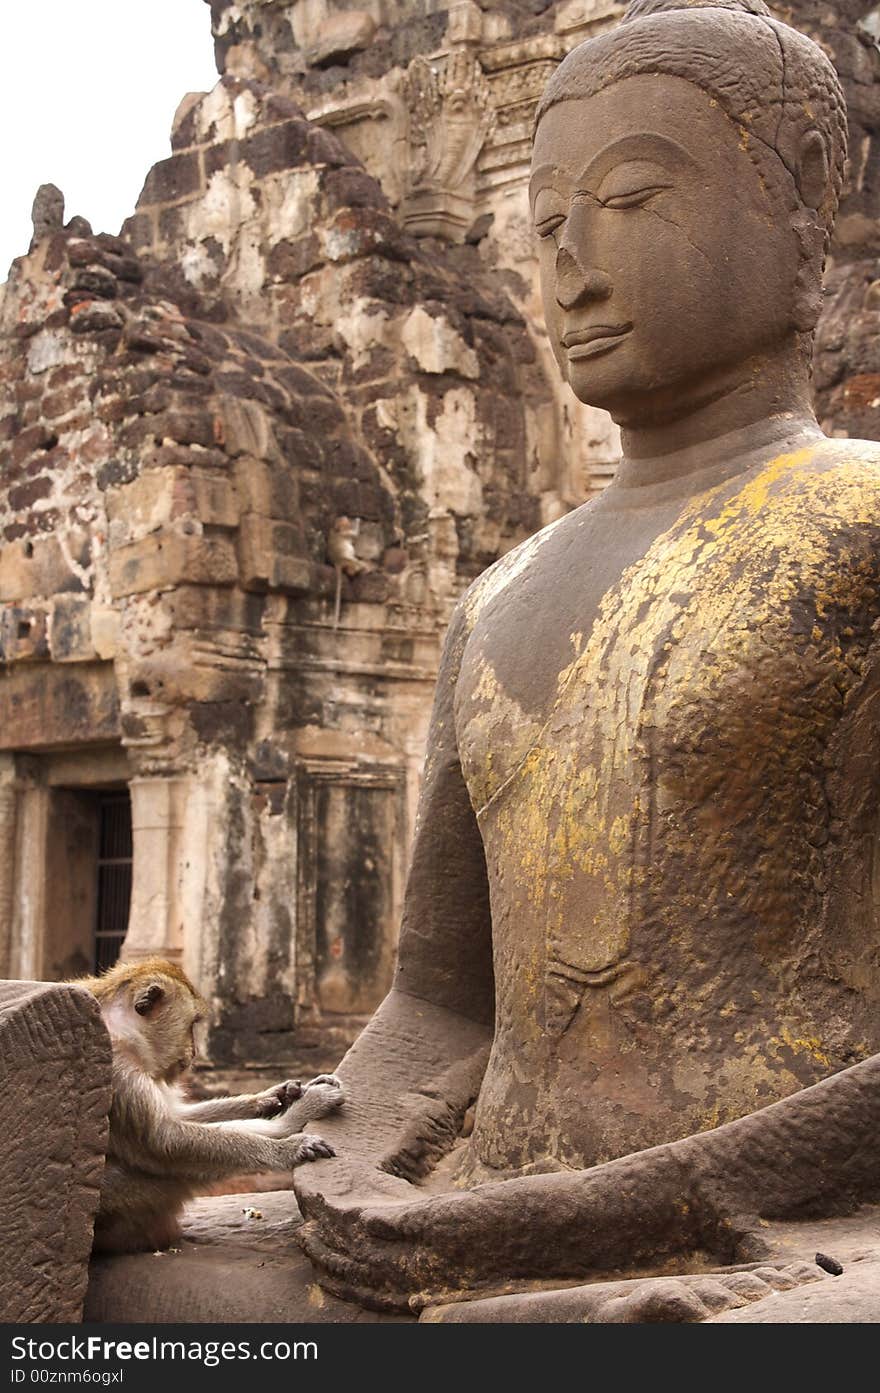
(492, 584)
(860, 458)
(839, 478)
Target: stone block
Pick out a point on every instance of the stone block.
(183, 125)
(166, 558)
(352, 188)
(271, 556)
(275, 148)
(42, 705)
(254, 550)
(170, 180)
(24, 496)
(339, 36)
(36, 437)
(192, 427)
(91, 316)
(53, 1050)
(211, 499)
(246, 429)
(70, 629)
(196, 607)
(253, 483)
(34, 567)
(160, 496)
(357, 232)
(436, 346)
(105, 630)
(293, 257)
(140, 231)
(23, 634)
(291, 574)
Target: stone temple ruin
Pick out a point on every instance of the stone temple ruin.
(253, 449)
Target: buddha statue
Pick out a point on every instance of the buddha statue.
(642, 927)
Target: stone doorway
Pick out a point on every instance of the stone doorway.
(67, 871)
(113, 879)
(88, 858)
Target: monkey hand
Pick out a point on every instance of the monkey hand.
(277, 1099)
(320, 1097)
(302, 1147)
(323, 1094)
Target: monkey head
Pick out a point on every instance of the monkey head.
(151, 1010)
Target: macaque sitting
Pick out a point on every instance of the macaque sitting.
(163, 1150)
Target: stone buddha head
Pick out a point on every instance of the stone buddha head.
(686, 173)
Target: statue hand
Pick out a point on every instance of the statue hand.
(383, 1242)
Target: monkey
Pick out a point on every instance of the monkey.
(340, 549)
(163, 1150)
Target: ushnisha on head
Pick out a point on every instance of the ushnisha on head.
(733, 127)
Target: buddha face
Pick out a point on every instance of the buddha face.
(668, 260)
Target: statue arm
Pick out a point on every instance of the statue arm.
(712, 1195)
(413, 1072)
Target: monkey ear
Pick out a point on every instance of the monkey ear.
(146, 998)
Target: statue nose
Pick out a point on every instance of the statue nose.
(575, 284)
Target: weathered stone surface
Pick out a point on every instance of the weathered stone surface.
(339, 36)
(70, 630)
(671, 1300)
(42, 706)
(228, 1268)
(171, 558)
(55, 1065)
(173, 473)
(852, 1299)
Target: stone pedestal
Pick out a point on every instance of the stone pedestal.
(54, 1103)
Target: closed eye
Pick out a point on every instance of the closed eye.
(548, 226)
(634, 198)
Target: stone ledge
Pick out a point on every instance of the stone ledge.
(228, 1269)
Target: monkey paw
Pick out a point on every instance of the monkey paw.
(278, 1099)
(313, 1149)
(322, 1095)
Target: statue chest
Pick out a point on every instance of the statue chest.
(679, 775)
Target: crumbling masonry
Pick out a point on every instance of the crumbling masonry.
(251, 452)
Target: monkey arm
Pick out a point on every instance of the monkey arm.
(244, 1106)
(147, 1137)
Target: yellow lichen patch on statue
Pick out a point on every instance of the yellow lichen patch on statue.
(666, 819)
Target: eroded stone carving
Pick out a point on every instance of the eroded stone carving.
(450, 118)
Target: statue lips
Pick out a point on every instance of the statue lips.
(589, 343)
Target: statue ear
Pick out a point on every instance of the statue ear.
(812, 170)
(147, 997)
(809, 229)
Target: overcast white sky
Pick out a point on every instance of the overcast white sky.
(88, 94)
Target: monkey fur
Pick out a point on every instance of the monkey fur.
(164, 1150)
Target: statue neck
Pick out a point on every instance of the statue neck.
(765, 407)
